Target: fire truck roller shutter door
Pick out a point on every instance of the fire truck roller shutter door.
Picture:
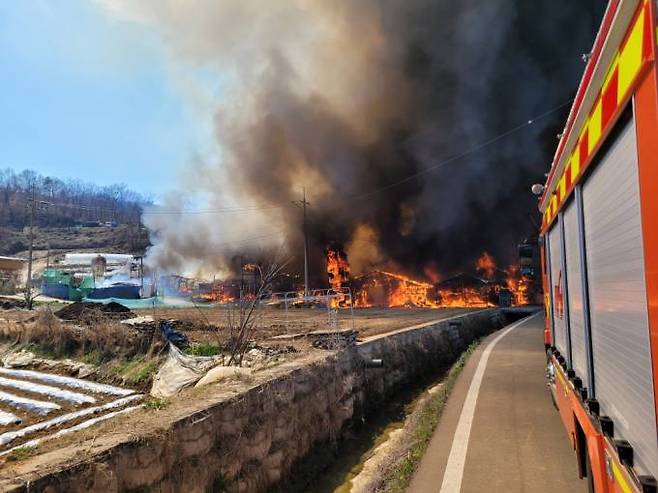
(617, 297)
(547, 291)
(575, 294)
(557, 289)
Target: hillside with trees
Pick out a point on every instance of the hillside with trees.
(64, 203)
(69, 214)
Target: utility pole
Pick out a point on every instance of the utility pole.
(28, 284)
(303, 203)
(29, 299)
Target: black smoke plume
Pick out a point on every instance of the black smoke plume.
(355, 101)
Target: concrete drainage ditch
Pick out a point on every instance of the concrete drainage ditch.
(256, 438)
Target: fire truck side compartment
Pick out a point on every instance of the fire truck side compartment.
(617, 297)
(575, 298)
(557, 289)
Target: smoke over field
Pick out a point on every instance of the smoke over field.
(358, 102)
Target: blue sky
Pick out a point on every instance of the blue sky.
(84, 95)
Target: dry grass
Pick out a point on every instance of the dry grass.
(22, 453)
(97, 340)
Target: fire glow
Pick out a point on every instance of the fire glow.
(380, 288)
(338, 270)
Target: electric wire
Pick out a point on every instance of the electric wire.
(465, 153)
(422, 172)
(155, 211)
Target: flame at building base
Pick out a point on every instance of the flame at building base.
(380, 288)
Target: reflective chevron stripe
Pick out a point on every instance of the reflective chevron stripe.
(617, 86)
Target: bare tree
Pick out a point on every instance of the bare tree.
(243, 316)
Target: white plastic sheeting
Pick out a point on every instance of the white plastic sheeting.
(75, 383)
(38, 407)
(88, 258)
(8, 419)
(54, 392)
(80, 426)
(221, 373)
(180, 371)
(10, 436)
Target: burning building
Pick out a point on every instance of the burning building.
(464, 290)
(379, 288)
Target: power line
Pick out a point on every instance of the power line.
(249, 240)
(156, 211)
(239, 210)
(465, 153)
(425, 171)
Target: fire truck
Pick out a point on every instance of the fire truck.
(599, 249)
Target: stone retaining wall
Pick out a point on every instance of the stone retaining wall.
(250, 441)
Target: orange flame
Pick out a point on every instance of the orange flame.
(338, 270)
(408, 292)
(465, 298)
(518, 285)
(383, 288)
(486, 265)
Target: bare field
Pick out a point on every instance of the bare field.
(274, 321)
(209, 324)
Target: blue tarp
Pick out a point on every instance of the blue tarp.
(60, 291)
(174, 336)
(146, 302)
(121, 291)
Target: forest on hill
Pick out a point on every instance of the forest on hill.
(65, 203)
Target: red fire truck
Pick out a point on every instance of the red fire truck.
(600, 257)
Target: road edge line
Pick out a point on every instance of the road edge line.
(454, 471)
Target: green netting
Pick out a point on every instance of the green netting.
(87, 283)
(54, 276)
(74, 294)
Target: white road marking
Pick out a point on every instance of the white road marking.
(452, 478)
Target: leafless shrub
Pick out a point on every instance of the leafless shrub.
(244, 314)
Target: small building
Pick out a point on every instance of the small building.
(11, 273)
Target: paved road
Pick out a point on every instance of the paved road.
(514, 440)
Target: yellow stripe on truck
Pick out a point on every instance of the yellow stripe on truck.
(623, 72)
(595, 126)
(558, 371)
(630, 58)
(620, 478)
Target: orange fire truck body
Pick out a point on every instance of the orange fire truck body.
(600, 257)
